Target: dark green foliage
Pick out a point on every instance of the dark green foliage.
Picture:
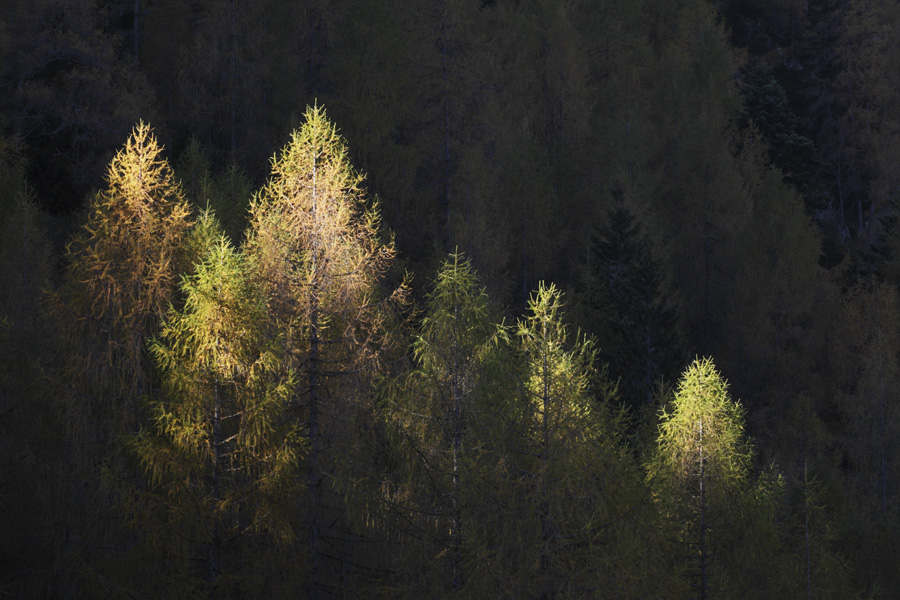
(765, 105)
(628, 311)
(273, 427)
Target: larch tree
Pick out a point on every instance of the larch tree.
(444, 411)
(226, 192)
(781, 305)
(121, 276)
(219, 453)
(315, 242)
(700, 477)
(573, 484)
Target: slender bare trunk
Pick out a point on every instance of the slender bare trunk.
(315, 448)
(456, 391)
(704, 555)
(546, 529)
(881, 408)
(215, 542)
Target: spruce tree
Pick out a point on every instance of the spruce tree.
(628, 310)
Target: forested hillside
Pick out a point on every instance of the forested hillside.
(470, 299)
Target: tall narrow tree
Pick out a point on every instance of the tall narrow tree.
(700, 477)
(121, 277)
(575, 486)
(122, 274)
(443, 408)
(316, 245)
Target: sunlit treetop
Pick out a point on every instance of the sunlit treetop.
(312, 224)
(703, 435)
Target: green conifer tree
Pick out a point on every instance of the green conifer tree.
(575, 491)
(220, 454)
(447, 419)
(315, 243)
(719, 518)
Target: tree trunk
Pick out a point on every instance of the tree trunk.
(315, 444)
(215, 542)
(546, 530)
(456, 391)
(704, 555)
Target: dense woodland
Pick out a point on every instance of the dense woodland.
(469, 299)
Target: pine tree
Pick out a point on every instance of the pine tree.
(316, 250)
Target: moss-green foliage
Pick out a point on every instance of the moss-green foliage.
(577, 495)
(491, 460)
(447, 416)
(719, 517)
(219, 453)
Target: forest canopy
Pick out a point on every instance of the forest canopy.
(371, 298)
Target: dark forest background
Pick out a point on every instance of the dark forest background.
(483, 298)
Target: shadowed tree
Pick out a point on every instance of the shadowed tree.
(628, 311)
(573, 499)
(120, 278)
(445, 413)
(29, 429)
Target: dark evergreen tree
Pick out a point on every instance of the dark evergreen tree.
(765, 105)
(634, 320)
